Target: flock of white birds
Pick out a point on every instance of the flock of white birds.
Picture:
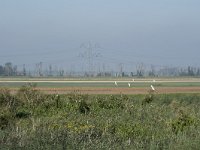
(129, 84)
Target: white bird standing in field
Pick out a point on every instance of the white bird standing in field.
(129, 85)
(152, 88)
(116, 83)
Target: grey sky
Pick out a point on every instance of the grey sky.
(159, 32)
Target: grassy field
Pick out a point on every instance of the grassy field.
(103, 84)
(34, 120)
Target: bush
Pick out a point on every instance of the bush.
(30, 96)
(112, 102)
(84, 107)
(6, 119)
(22, 113)
(9, 101)
(148, 99)
(182, 122)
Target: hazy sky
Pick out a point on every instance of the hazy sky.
(159, 32)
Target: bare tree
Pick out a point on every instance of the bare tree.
(24, 70)
(121, 68)
(140, 68)
(152, 71)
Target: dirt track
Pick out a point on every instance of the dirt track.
(87, 90)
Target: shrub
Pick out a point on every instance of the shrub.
(8, 100)
(148, 99)
(6, 119)
(182, 122)
(84, 107)
(22, 113)
(30, 96)
(112, 102)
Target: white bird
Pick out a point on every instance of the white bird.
(129, 85)
(152, 88)
(116, 83)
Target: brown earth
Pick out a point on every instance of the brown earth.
(91, 90)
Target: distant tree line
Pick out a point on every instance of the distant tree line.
(8, 69)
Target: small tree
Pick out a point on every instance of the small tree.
(1, 70)
(8, 70)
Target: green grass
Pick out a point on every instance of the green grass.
(104, 84)
(98, 84)
(33, 120)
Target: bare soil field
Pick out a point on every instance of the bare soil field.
(86, 90)
(92, 90)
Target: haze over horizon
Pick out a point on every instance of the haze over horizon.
(129, 32)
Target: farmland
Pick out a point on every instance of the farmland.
(105, 85)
